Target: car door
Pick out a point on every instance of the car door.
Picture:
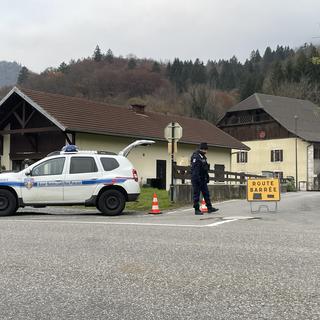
(125, 152)
(81, 179)
(44, 183)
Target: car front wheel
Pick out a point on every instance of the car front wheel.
(8, 203)
(111, 202)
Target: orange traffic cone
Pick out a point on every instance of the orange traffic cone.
(203, 207)
(155, 207)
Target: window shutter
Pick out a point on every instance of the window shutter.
(281, 155)
(272, 155)
(238, 157)
(246, 157)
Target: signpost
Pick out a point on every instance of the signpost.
(263, 190)
(173, 133)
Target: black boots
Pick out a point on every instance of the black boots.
(211, 210)
(197, 209)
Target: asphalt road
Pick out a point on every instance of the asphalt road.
(77, 264)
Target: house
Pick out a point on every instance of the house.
(33, 124)
(283, 135)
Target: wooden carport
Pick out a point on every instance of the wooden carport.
(30, 131)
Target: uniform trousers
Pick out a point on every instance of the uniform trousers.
(198, 188)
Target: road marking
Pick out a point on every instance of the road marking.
(177, 211)
(123, 223)
(170, 212)
(239, 217)
(220, 222)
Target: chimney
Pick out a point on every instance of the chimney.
(138, 108)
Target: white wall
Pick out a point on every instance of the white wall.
(144, 158)
(259, 157)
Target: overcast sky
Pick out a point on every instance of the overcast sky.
(43, 33)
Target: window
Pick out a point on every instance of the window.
(50, 167)
(109, 164)
(278, 174)
(83, 165)
(276, 155)
(242, 156)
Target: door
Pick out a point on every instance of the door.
(162, 173)
(81, 179)
(44, 183)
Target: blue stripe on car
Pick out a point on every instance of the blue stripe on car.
(67, 183)
(12, 184)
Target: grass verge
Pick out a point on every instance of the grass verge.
(144, 202)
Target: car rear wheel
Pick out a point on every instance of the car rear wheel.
(8, 203)
(111, 202)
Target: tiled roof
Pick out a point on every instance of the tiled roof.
(284, 110)
(81, 115)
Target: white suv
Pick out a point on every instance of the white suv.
(68, 177)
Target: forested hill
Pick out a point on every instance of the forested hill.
(9, 72)
(193, 88)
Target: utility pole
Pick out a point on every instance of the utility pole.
(296, 147)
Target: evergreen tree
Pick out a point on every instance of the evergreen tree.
(132, 63)
(277, 75)
(247, 88)
(300, 66)
(289, 70)
(255, 56)
(23, 75)
(198, 74)
(268, 56)
(109, 56)
(97, 55)
(64, 68)
(186, 74)
(168, 70)
(227, 77)
(280, 53)
(175, 75)
(213, 77)
(156, 67)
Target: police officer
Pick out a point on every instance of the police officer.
(200, 178)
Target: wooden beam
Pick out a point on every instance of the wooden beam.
(22, 120)
(70, 140)
(29, 130)
(10, 113)
(30, 116)
(19, 119)
(67, 138)
(28, 155)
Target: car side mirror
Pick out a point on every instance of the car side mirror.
(28, 172)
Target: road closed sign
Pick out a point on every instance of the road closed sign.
(263, 190)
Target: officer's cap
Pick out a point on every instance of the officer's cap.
(203, 146)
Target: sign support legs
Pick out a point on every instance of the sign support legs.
(264, 206)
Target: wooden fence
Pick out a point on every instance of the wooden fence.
(183, 173)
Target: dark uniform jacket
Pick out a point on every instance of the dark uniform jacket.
(199, 168)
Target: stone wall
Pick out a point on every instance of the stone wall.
(218, 192)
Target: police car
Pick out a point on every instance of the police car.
(92, 178)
